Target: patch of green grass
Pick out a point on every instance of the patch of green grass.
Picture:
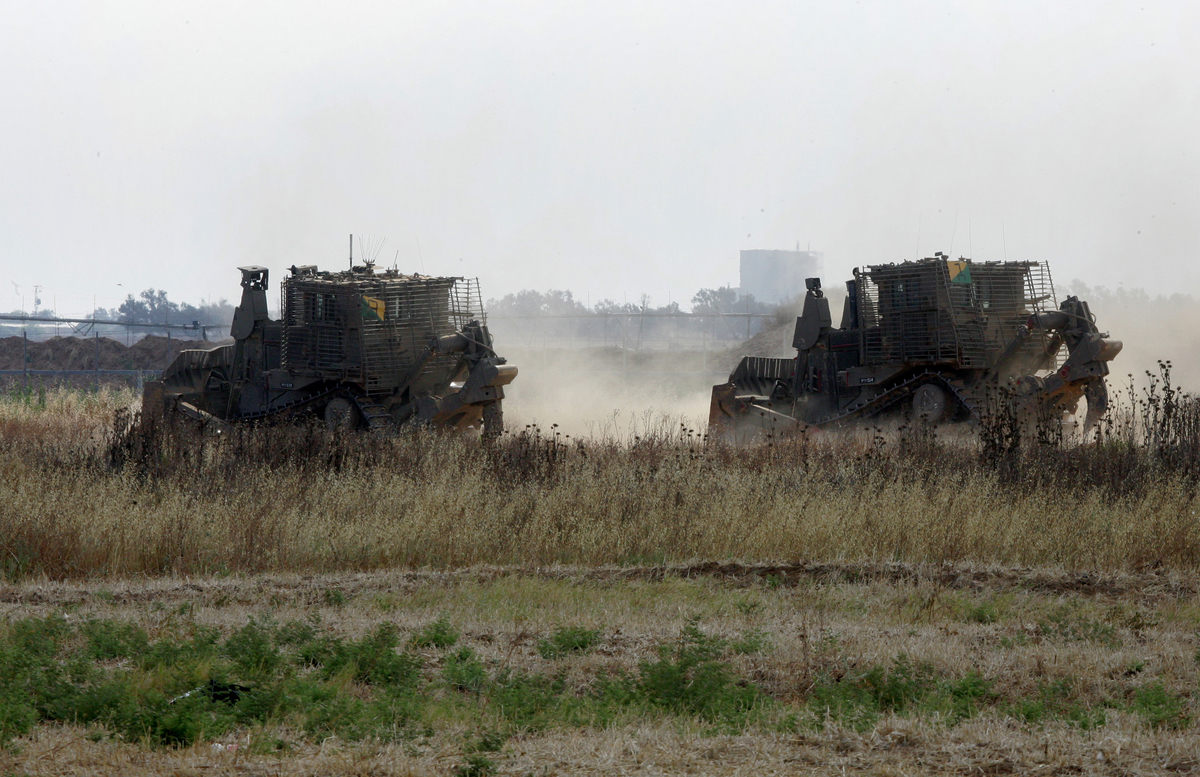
(253, 651)
(986, 610)
(439, 634)
(196, 684)
(1065, 624)
(464, 671)
(385, 602)
(859, 699)
(475, 765)
(981, 612)
(488, 742)
(1058, 701)
(566, 640)
(529, 701)
(374, 659)
(751, 643)
(689, 679)
(747, 606)
(1160, 707)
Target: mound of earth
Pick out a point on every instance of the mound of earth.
(80, 353)
(775, 340)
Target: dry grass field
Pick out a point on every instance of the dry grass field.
(891, 602)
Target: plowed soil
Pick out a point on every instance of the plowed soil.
(79, 353)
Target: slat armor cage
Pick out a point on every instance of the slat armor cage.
(917, 313)
(370, 329)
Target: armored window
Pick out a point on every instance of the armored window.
(909, 294)
(319, 306)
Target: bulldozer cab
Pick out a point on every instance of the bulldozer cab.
(954, 313)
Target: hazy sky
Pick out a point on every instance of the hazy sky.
(621, 149)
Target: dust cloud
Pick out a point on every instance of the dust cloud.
(1153, 329)
(603, 392)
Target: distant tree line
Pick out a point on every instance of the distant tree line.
(559, 314)
(153, 307)
(709, 302)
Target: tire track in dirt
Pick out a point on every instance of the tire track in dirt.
(312, 589)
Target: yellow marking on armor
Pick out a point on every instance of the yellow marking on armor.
(373, 308)
(960, 272)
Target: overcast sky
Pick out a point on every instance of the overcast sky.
(626, 149)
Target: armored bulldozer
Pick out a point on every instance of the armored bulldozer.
(358, 348)
(931, 340)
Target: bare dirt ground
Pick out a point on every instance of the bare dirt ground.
(1101, 640)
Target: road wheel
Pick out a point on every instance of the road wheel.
(930, 403)
(341, 415)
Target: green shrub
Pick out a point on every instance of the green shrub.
(751, 643)
(253, 651)
(374, 659)
(177, 693)
(17, 715)
(37, 639)
(295, 633)
(526, 700)
(1160, 707)
(464, 671)
(476, 765)
(858, 700)
(984, 612)
(569, 639)
(439, 634)
(1056, 701)
(107, 640)
(688, 679)
(203, 646)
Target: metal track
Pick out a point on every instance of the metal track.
(378, 419)
(898, 392)
(298, 404)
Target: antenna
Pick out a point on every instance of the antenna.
(370, 246)
(352, 251)
(1004, 241)
(419, 256)
(953, 233)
